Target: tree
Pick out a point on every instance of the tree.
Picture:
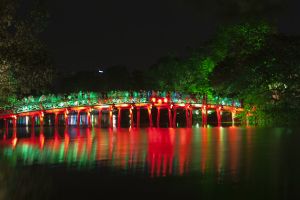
(266, 78)
(183, 75)
(24, 63)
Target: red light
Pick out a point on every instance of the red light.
(14, 142)
(42, 140)
(153, 99)
(165, 100)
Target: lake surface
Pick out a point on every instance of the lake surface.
(208, 163)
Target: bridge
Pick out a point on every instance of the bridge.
(87, 108)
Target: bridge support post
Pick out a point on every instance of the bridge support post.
(56, 119)
(204, 116)
(41, 119)
(88, 113)
(15, 126)
(131, 117)
(6, 128)
(190, 117)
(78, 118)
(158, 117)
(111, 117)
(233, 112)
(219, 116)
(150, 116)
(187, 118)
(170, 117)
(32, 118)
(138, 117)
(99, 117)
(14, 119)
(247, 120)
(6, 124)
(174, 117)
(119, 117)
(66, 118)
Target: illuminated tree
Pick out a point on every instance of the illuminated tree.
(266, 78)
(24, 64)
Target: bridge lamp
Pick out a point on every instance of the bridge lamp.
(165, 100)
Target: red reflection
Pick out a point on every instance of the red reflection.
(14, 142)
(66, 142)
(89, 139)
(184, 149)
(218, 150)
(204, 150)
(233, 137)
(160, 151)
(42, 140)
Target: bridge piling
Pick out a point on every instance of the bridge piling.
(204, 116)
(66, 112)
(119, 117)
(233, 113)
(111, 117)
(88, 113)
(78, 118)
(99, 117)
(41, 119)
(131, 117)
(32, 121)
(174, 117)
(158, 117)
(170, 117)
(56, 119)
(190, 117)
(150, 116)
(6, 123)
(219, 116)
(187, 117)
(138, 117)
(14, 120)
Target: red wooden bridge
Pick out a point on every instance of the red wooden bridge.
(87, 108)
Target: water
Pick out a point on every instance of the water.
(210, 163)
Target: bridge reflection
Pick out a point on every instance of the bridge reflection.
(156, 152)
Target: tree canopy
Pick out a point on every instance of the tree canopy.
(24, 63)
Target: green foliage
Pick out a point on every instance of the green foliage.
(24, 64)
(240, 40)
(183, 75)
(266, 77)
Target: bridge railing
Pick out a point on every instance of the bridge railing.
(46, 102)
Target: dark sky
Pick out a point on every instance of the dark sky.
(135, 33)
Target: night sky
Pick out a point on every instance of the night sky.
(135, 33)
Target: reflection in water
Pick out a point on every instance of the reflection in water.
(153, 151)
